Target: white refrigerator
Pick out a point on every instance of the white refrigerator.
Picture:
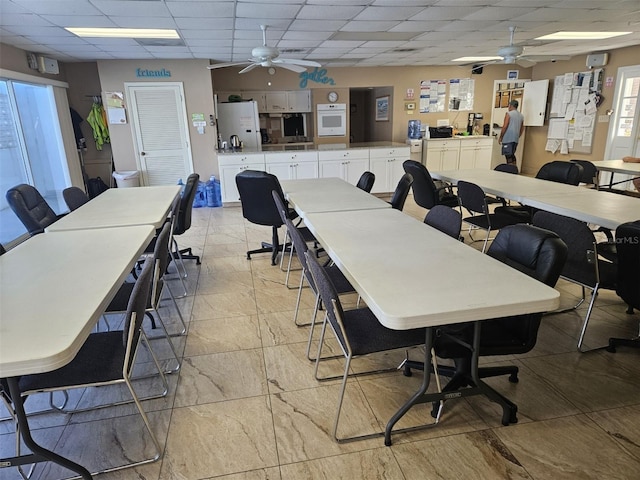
(240, 118)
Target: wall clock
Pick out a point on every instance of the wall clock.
(332, 96)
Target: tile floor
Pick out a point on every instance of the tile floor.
(245, 404)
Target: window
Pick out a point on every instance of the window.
(31, 149)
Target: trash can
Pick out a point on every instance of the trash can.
(127, 179)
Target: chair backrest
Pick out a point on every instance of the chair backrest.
(507, 168)
(561, 172)
(329, 296)
(589, 172)
(366, 181)
(628, 250)
(401, 191)
(446, 219)
(472, 197)
(183, 220)
(300, 247)
(425, 192)
(31, 208)
(255, 189)
(579, 239)
(74, 197)
(135, 314)
(281, 205)
(161, 256)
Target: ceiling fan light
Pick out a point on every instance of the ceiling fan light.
(510, 59)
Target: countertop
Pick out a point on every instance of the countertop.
(308, 146)
(461, 137)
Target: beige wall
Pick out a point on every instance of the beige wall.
(15, 59)
(196, 81)
(534, 153)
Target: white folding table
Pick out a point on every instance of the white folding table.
(53, 289)
(328, 195)
(588, 205)
(390, 257)
(617, 166)
(118, 207)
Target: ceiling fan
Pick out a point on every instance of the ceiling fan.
(266, 56)
(515, 54)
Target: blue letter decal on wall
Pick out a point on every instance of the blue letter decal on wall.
(317, 76)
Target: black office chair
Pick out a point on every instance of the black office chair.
(536, 252)
(628, 286)
(74, 197)
(556, 171)
(366, 181)
(31, 208)
(585, 265)
(183, 219)
(446, 219)
(358, 332)
(589, 173)
(258, 207)
(425, 192)
(108, 358)
(401, 192)
(473, 199)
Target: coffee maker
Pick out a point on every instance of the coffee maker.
(472, 123)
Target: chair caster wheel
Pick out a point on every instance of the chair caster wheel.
(513, 378)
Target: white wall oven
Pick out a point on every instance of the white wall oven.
(332, 119)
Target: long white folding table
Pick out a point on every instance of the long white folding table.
(390, 258)
(617, 166)
(118, 207)
(588, 205)
(53, 289)
(328, 195)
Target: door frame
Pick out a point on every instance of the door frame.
(615, 106)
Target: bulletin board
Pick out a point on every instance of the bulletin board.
(572, 116)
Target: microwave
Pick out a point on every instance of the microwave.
(332, 119)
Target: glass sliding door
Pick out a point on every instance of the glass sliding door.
(31, 149)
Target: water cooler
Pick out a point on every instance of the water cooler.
(414, 140)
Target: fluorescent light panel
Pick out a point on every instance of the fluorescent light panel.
(581, 35)
(124, 32)
(475, 59)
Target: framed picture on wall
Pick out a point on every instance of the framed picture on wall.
(512, 74)
(382, 109)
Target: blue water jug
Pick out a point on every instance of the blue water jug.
(200, 200)
(213, 192)
(414, 129)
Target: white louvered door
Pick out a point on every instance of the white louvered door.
(161, 136)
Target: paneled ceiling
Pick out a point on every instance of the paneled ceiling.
(332, 32)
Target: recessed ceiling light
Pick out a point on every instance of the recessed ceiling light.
(475, 59)
(581, 35)
(124, 32)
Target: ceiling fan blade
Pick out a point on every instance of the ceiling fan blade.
(288, 66)
(249, 68)
(295, 61)
(229, 64)
(525, 62)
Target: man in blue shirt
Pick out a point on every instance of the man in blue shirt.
(512, 128)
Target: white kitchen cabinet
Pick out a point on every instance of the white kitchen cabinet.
(292, 165)
(232, 164)
(386, 165)
(442, 154)
(345, 164)
(299, 101)
(276, 102)
(475, 153)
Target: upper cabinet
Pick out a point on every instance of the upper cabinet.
(299, 101)
(286, 101)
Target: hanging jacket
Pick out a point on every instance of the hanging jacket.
(97, 121)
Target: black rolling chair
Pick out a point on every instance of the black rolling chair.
(401, 192)
(585, 265)
(589, 173)
(628, 286)
(446, 219)
(535, 252)
(556, 171)
(74, 197)
(425, 192)
(258, 207)
(366, 181)
(183, 219)
(505, 168)
(473, 199)
(31, 208)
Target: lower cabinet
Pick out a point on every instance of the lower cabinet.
(386, 165)
(292, 165)
(442, 154)
(476, 153)
(230, 166)
(458, 153)
(348, 165)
